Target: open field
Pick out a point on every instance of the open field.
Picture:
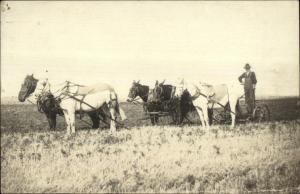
(253, 157)
(25, 118)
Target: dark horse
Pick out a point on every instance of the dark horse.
(142, 91)
(178, 106)
(49, 105)
(152, 98)
(185, 106)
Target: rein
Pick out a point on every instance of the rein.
(31, 102)
(135, 100)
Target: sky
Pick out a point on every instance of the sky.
(118, 42)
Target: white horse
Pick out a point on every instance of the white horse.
(205, 96)
(75, 97)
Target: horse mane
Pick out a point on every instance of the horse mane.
(146, 89)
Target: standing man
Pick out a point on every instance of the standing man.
(248, 79)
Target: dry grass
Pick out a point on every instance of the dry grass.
(253, 157)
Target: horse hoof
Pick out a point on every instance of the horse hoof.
(207, 132)
(113, 130)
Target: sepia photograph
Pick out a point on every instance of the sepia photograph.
(150, 97)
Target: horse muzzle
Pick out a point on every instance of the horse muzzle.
(129, 100)
(22, 97)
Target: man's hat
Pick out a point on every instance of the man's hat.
(247, 66)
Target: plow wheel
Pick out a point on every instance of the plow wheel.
(218, 118)
(261, 113)
(221, 117)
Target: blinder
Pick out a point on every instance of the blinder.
(32, 86)
(28, 87)
(134, 91)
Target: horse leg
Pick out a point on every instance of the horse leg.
(182, 114)
(119, 110)
(185, 108)
(205, 117)
(232, 103)
(94, 117)
(122, 113)
(175, 118)
(176, 115)
(104, 114)
(152, 120)
(210, 115)
(112, 110)
(181, 117)
(199, 111)
(72, 121)
(156, 119)
(66, 114)
(112, 121)
(51, 117)
(201, 107)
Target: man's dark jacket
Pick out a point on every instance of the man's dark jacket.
(250, 79)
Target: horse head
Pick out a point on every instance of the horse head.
(134, 91)
(27, 88)
(162, 83)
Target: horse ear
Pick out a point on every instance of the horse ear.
(134, 81)
(156, 83)
(182, 81)
(138, 82)
(162, 83)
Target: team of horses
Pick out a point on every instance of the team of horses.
(72, 98)
(100, 101)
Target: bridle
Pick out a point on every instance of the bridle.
(30, 88)
(135, 99)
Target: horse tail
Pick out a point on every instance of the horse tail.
(122, 114)
(120, 110)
